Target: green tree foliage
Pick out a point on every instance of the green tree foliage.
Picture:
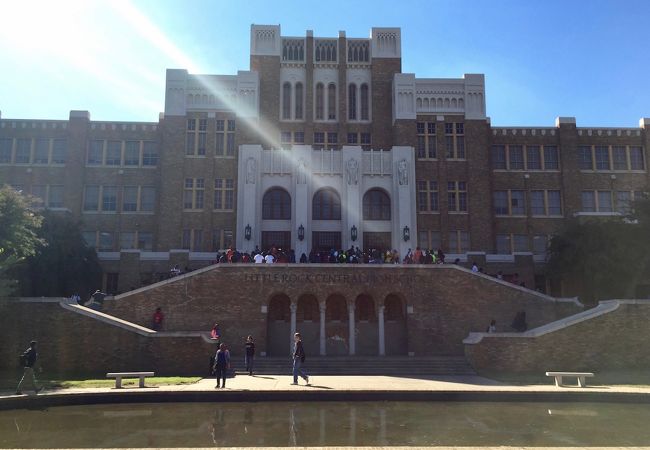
(603, 258)
(62, 267)
(19, 224)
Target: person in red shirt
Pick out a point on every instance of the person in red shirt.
(158, 317)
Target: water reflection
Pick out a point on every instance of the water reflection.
(327, 424)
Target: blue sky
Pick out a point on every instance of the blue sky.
(541, 59)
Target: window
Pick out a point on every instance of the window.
(230, 138)
(517, 203)
(588, 201)
(23, 151)
(320, 101)
(319, 140)
(130, 198)
(510, 243)
(196, 138)
(597, 201)
(219, 138)
(331, 101)
(500, 200)
(114, 153)
(39, 192)
(352, 102)
(533, 158)
(458, 241)
(499, 157)
(326, 205)
(429, 239)
(520, 243)
(352, 138)
(147, 198)
(619, 158)
(365, 139)
(427, 196)
(454, 140)
(286, 101)
(332, 140)
(224, 194)
(325, 140)
(545, 203)
(96, 152)
(132, 153)
(636, 158)
(41, 151)
(554, 203)
(109, 198)
(299, 137)
(55, 197)
(537, 204)
(276, 205)
(365, 103)
(376, 205)
(551, 158)
(426, 143)
(602, 158)
(586, 158)
(605, 201)
(149, 154)
(193, 193)
(457, 196)
(503, 244)
(202, 137)
(127, 240)
(5, 151)
(192, 240)
(299, 102)
(540, 244)
(221, 239)
(516, 154)
(105, 241)
(623, 202)
(91, 198)
(90, 237)
(145, 240)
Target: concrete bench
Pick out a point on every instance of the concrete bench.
(581, 376)
(119, 375)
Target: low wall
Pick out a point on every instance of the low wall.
(613, 336)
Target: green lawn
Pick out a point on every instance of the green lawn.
(6, 383)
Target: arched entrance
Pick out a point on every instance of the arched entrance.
(366, 331)
(396, 339)
(308, 323)
(279, 325)
(336, 326)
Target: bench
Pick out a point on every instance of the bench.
(581, 376)
(119, 375)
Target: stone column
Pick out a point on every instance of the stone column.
(323, 338)
(351, 328)
(380, 326)
(294, 308)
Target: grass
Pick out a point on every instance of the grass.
(6, 383)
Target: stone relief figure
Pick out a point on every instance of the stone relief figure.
(402, 171)
(301, 172)
(353, 171)
(251, 170)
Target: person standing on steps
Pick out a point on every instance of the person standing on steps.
(250, 355)
(298, 359)
(221, 365)
(28, 360)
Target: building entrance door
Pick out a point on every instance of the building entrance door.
(378, 241)
(277, 239)
(324, 241)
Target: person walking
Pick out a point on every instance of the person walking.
(157, 320)
(28, 359)
(250, 355)
(221, 365)
(298, 359)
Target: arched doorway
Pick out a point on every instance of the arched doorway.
(308, 323)
(279, 325)
(336, 326)
(376, 207)
(366, 331)
(396, 339)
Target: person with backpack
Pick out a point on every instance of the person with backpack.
(28, 361)
(221, 365)
(298, 359)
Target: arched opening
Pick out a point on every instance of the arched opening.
(365, 102)
(364, 309)
(396, 342)
(366, 327)
(308, 323)
(326, 205)
(336, 326)
(331, 101)
(352, 101)
(276, 205)
(286, 100)
(278, 325)
(298, 106)
(320, 101)
(376, 205)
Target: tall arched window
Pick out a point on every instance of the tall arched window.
(376, 205)
(286, 100)
(331, 101)
(352, 102)
(298, 109)
(393, 306)
(276, 205)
(320, 101)
(365, 103)
(326, 205)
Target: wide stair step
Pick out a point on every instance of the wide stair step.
(444, 365)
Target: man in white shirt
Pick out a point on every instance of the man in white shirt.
(259, 259)
(269, 259)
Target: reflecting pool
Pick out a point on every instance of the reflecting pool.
(328, 424)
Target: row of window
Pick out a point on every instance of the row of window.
(105, 198)
(197, 133)
(324, 140)
(122, 153)
(611, 157)
(458, 241)
(426, 147)
(511, 243)
(513, 203)
(108, 241)
(192, 239)
(33, 151)
(325, 104)
(609, 201)
(194, 194)
(48, 196)
(525, 157)
(427, 196)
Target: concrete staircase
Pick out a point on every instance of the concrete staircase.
(364, 365)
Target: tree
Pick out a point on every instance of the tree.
(66, 265)
(19, 224)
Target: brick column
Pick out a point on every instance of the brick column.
(382, 336)
(352, 340)
(322, 338)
